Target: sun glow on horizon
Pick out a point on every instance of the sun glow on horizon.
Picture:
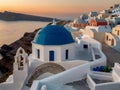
(55, 7)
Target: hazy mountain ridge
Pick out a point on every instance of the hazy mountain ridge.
(12, 16)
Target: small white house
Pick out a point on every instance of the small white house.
(116, 31)
(84, 16)
(97, 32)
(78, 23)
(113, 39)
(93, 14)
(116, 10)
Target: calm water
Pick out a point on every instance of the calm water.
(12, 31)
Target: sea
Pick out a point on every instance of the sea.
(11, 31)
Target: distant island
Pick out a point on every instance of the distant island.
(12, 16)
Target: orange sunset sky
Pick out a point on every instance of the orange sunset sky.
(56, 8)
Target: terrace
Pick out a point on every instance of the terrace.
(104, 81)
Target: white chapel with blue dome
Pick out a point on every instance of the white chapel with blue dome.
(56, 59)
(53, 43)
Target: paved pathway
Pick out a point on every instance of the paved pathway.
(79, 85)
(112, 55)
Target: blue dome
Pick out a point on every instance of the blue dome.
(53, 35)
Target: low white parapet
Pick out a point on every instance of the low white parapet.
(116, 72)
(102, 86)
(44, 87)
(90, 82)
(34, 85)
(102, 73)
(117, 66)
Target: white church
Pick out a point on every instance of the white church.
(53, 43)
(57, 59)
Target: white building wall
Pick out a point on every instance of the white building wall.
(19, 79)
(34, 51)
(59, 52)
(100, 36)
(90, 33)
(110, 38)
(99, 28)
(116, 11)
(97, 32)
(116, 31)
(71, 52)
(104, 29)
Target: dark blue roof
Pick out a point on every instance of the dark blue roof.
(53, 35)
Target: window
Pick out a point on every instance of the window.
(118, 32)
(51, 55)
(107, 37)
(85, 46)
(112, 43)
(66, 54)
(38, 53)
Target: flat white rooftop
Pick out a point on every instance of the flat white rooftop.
(84, 55)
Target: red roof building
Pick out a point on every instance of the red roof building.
(98, 22)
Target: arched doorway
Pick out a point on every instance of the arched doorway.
(47, 67)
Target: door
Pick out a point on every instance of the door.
(51, 55)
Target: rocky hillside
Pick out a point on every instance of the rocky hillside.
(8, 52)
